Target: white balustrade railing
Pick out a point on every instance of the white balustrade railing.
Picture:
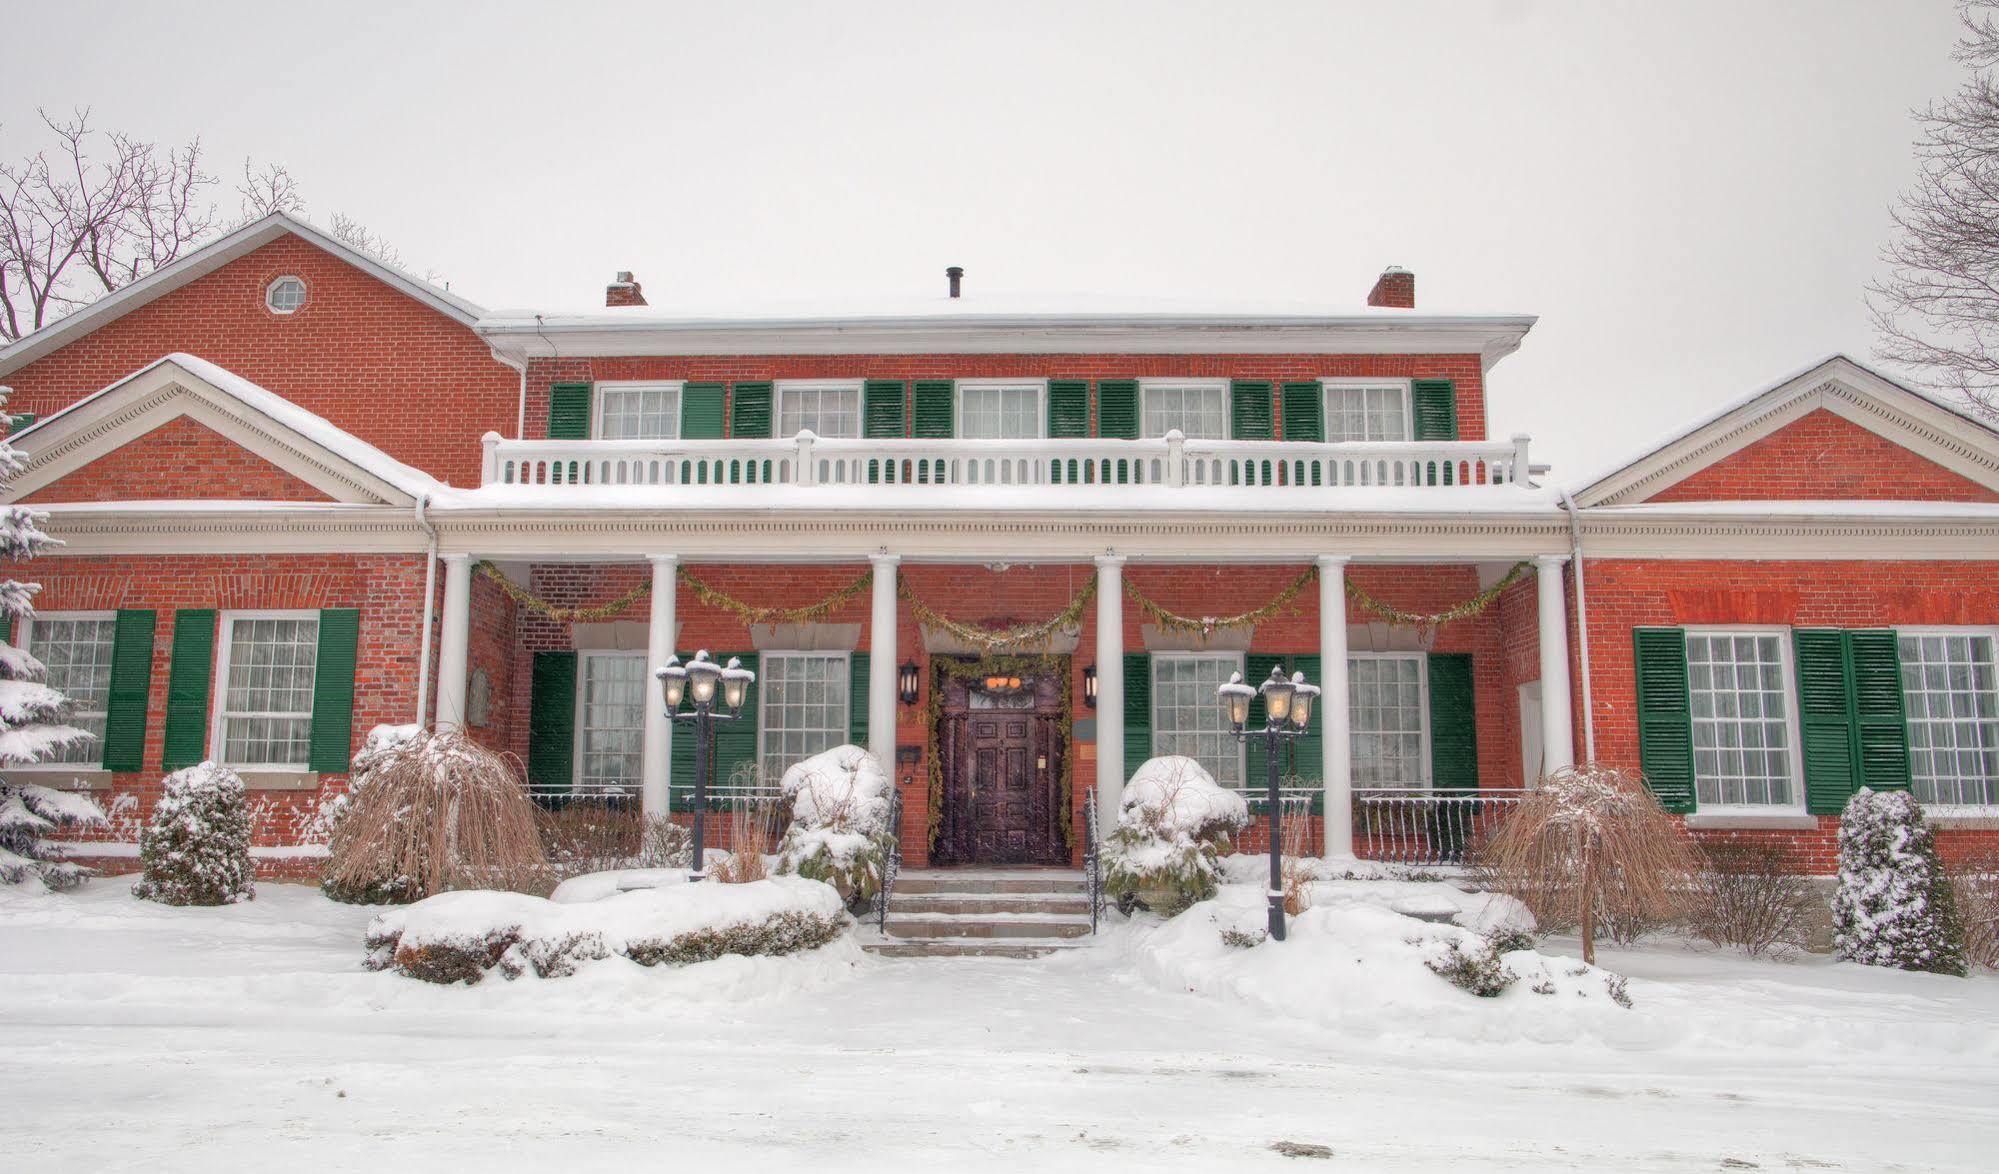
(1172, 461)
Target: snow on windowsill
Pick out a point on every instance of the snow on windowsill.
(110, 850)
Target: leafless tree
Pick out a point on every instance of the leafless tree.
(1937, 311)
(267, 190)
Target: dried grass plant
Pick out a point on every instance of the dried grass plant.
(1592, 849)
(1977, 883)
(1299, 872)
(749, 825)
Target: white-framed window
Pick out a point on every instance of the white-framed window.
(285, 295)
(1388, 719)
(1744, 720)
(1367, 409)
(610, 721)
(1199, 408)
(1187, 714)
(831, 408)
(1001, 409)
(265, 667)
(1950, 690)
(75, 648)
(637, 411)
(802, 707)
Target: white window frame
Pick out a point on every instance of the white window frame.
(1328, 384)
(28, 646)
(1425, 780)
(783, 386)
(583, 659)
(1147, 386)
(218, 688)
(767, 658)
(1988, 631)
(677, 386)
(1235, 663)
(1787, 674)
(271, 293)
(1038, 386)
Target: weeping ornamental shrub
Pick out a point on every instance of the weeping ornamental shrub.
(196, 845)
(1173, 825)
(1894, 906)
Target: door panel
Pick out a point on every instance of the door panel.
(1001, 762)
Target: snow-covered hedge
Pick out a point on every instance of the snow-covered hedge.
(461, 936)
(1894, 905)
(29, 814)
(839, 829)
(1173, 824)
(196, 845)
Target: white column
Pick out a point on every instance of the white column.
(454, 643)
(1110, 688)
(656, 751)
(882, 662)
(1558, 739)
(1334, 737)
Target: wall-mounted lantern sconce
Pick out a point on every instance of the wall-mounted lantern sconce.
(905, 682)
(1090, 686)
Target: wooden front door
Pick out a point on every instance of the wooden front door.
(1001, 754)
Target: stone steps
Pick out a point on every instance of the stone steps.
(985, 913)
(974, 947)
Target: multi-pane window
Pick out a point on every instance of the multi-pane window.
(828, 410)
(638, 411)
(988, 411)
(1199, 410)
(803, 699)
(76, 651)
(611, 725)
(1187, 716)
(285, 295)
(1356, 412)
(1741, 718)
(1387, 714)
(1951, 692)
(266, 717)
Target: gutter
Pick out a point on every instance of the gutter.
(521, 405)
(1582, 620)
(429, 605)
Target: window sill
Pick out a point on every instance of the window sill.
(279, 780)
(1964, 819)
(1720, 821)
(90, 778)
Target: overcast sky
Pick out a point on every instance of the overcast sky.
(1691, 196)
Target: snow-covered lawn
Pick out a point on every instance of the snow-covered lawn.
(139, 1037)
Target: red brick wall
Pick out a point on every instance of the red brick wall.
(1824, 456)
(182, 459)
(370, 359)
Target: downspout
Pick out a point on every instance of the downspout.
(429, 605)
(521, 403)
(1582, 620)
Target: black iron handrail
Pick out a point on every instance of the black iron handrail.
(1093, 872)
(892, 860)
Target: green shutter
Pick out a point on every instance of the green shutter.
(749, 411)
(569, 411)
(1304, 411)
(332, 741)
(1249, 410)
(736, 741)
(701, 411)
(933, 408)
(1453, 723)
(1137, 710)
(882, 408)
(1068, 408)
(1435, 402)
(187, 688)
(1881, 725)
(1256, 668)
(22, 422)
(857, 699)
(1665, 720)
(552, 724)
(1850, 714)
(1117, 409)
(131, 677)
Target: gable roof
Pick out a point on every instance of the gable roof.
(334, 461)
(207, 259)
(1892, 410)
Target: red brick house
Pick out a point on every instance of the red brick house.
(302, 494)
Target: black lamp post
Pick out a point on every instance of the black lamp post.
(1287, 708)
(697, 680)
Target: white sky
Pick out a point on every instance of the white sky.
(1690, 195)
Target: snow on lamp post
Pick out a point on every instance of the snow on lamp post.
(1287, 710)
(697, 681)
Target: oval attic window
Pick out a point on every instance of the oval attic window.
(285, 295)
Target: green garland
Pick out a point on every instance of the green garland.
(1458, 611)
(993, 641)
(713, 597)
(943, 669)
(567, 615)
(1175, 622)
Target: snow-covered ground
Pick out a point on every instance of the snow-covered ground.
(139, 1037)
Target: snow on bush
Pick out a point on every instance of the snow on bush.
(29, 815)
(462, 936)
(1173, 824)
(196, 846)
(839, 829)
(1894, 905)
(380, 745)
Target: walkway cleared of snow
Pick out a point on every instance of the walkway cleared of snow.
(145, 1038)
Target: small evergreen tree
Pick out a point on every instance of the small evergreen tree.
(1894, 905)
(196, 845)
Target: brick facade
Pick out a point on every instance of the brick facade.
(181, 460)
(1823, 456)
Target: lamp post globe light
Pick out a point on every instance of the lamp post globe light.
(697, 682)
(1287, 710)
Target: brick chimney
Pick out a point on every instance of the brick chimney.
(1395, 287)
(624, 291)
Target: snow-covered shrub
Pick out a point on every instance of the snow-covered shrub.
(29, 815)
(583, 837)
(1478, 970)
(839, 829)
(1744, 897)
(196, 846)
(377, 748)
(1894, 905)
(1173, 824)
